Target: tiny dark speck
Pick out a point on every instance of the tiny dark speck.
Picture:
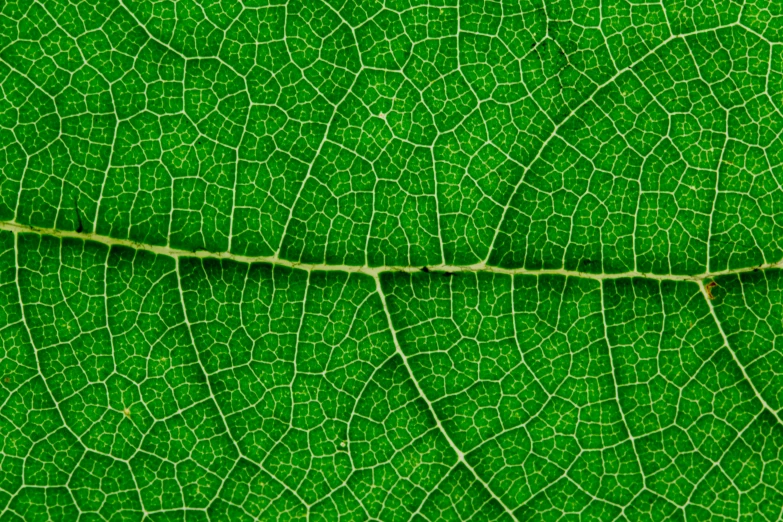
(425, 270)
(708, 288)
(79, 225)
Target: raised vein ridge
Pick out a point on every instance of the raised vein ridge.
(372, 271)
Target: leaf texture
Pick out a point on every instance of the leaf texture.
(459, 260)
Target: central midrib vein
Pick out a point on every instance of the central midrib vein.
(372, 271)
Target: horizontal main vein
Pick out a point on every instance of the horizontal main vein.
(364, 269)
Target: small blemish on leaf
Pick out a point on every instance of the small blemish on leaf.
(708, 288)
(80, 226)
(425, 270)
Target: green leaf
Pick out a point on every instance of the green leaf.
(394, 261)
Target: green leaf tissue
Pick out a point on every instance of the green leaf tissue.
(391, 260)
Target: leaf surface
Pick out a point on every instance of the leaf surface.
(321, 260)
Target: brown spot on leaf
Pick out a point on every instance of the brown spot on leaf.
(708, 288)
